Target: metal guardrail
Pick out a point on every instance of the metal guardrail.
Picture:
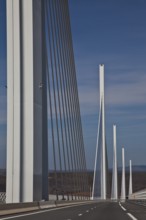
(15, 208)
(141, 202)
(140, 195)
(51, 198)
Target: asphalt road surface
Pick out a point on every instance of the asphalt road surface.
(94, 211)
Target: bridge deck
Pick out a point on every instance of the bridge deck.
(98, 210)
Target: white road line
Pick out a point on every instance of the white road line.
(38, 212)
(87, 210)
(120, 204)
(131, 216)
(123, 208)
(80, 214)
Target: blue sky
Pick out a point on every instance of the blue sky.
(2, 84)
(114, 33)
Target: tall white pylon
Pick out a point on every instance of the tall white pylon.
(130, 178)
(103, 156)
(26, 103)
(123, 185)
(114, 194)
(101, 136)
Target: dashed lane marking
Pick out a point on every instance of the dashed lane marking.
(123, 208)
(38, 212)
(131, 216)
(80, 214)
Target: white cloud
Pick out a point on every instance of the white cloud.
(121, 90)
(127, 93)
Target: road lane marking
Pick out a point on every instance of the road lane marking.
(40, 212)
(119, 204)
(87, 210)
(123, 208)
(131, 216)
(80, 214)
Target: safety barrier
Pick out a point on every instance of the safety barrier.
(140, 195)
(15, 208)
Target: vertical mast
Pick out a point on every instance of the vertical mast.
(114, 177)
(103, 155)
(13, 101)
(123, 190)
(26, 114)
(130, 178)
(100, 186)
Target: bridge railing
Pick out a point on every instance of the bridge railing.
(2, 197)
(15, 208)
(138, 195)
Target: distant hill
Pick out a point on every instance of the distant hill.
(135, 168)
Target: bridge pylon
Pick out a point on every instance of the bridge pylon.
(130, 178)
(123, 184)
(114, 193)
(99, 189)
(27, 167)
